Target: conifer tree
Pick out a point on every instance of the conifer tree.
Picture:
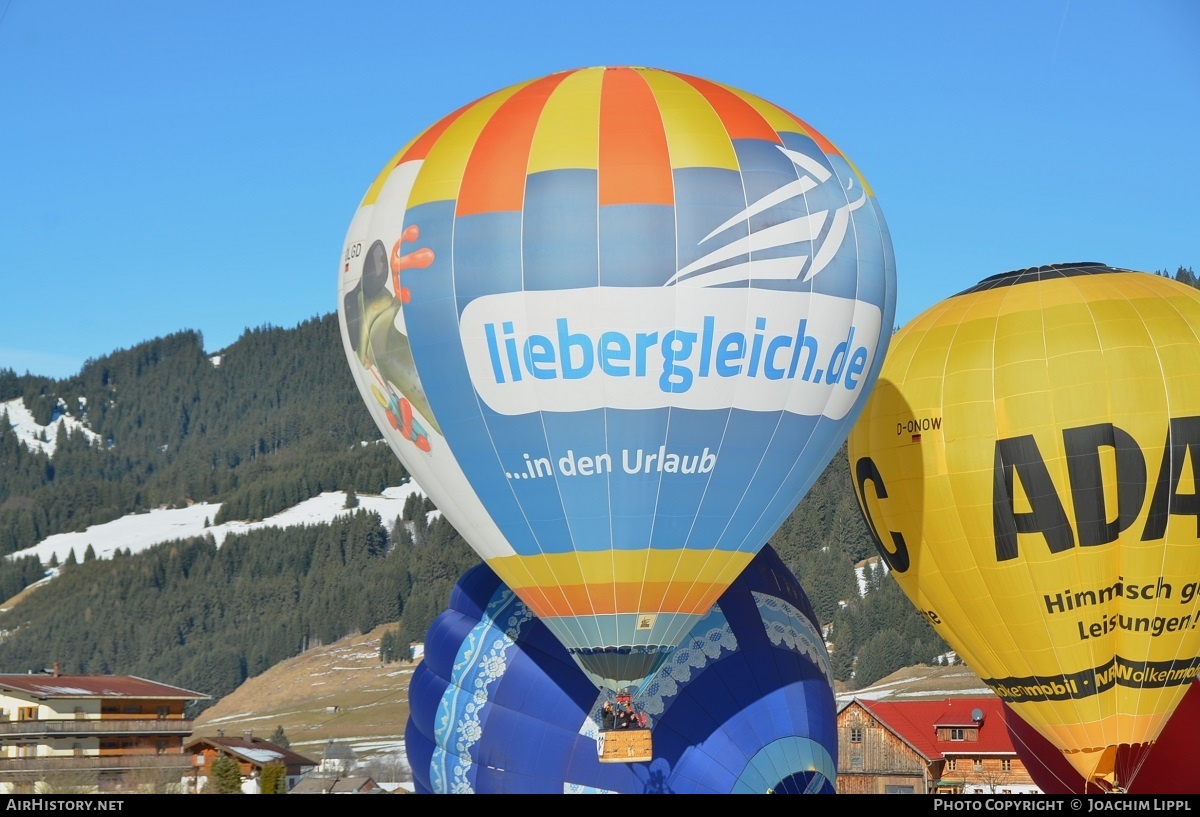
(388, 653)
(227, 776)
(273, 779)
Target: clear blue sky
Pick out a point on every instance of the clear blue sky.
(194, 165)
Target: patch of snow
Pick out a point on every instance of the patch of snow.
(882, 694)
(138, 532)
(50, 689)
(30, 432)
(862, 572)
(260, 755)
(246, 717)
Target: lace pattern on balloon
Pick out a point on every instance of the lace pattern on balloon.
(787, 626)
(708, 641)
(481, 661)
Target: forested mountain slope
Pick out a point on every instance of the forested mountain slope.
(274, 420)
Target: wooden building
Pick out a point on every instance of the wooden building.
(946, 746)
(251, 755)
(91, 732)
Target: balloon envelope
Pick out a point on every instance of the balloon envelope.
(1167, 766)
(1028, 465)
(616, 321)
(744, 705)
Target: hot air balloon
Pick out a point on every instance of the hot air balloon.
(1168, 766)
(1028, 463)
(744, 705)
(615, 322)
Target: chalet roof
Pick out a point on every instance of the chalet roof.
(252, 750)
(49, 685)
(917, 722)
(336, 785)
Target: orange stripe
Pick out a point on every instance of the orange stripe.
(739, 117)
(421, 145)
(622, 597)
(494, 178)
(827, 147)
(635, 167)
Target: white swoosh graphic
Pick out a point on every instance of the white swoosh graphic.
(805, 228)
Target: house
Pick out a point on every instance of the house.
(91, 732)
(337, 785)
(937, 746)
(339, 760)
(251, 754)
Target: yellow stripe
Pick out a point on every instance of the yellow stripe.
(568, 132)
(696, 136)
(623, 566)
(441, 175)
(373, 191)
(866, 186)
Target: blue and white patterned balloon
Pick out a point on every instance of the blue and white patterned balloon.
(745, 704)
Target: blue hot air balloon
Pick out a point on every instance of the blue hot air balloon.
(616, 321)
(745, 704)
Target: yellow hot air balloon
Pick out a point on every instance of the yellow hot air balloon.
(1029, 464)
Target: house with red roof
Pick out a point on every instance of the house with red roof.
(935, 746)
(250, 753)
(91, 732)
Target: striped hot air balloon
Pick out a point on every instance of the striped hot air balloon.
(616, 321)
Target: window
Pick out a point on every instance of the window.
(899, 790)
(952, 764)
(1006, 765)
(978, 764)
(856, 734)
(856, 763)
(958, 734)
(27, 713)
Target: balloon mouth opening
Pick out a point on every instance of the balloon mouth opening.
(1097, 766)
(617, 668)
